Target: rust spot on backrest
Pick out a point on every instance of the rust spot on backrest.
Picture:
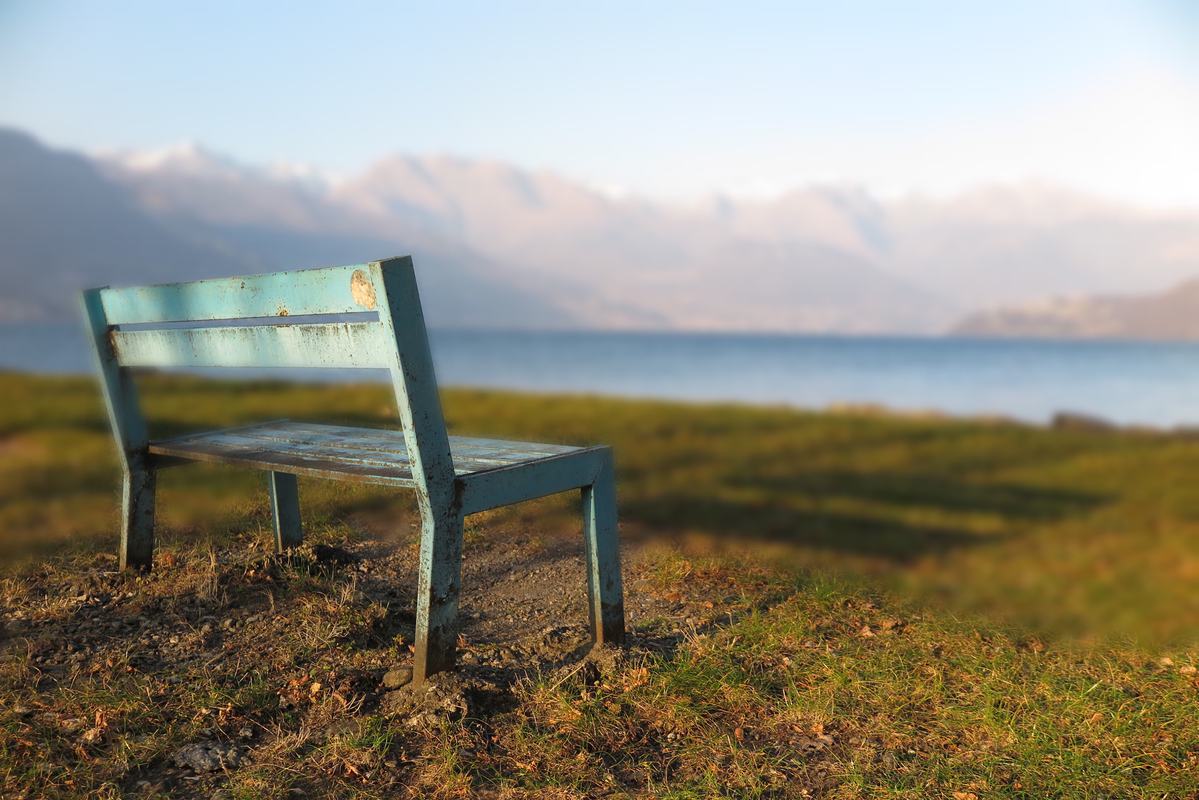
(362, 290)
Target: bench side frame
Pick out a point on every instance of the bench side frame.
(438, 493)
(129, 431)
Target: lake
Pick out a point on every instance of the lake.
(1127, 382)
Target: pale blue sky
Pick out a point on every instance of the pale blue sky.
(667, 99)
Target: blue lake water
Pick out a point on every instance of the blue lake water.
(1127, 382)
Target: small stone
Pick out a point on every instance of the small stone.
(395, 678)
(207, 756)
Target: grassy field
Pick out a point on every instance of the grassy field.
(866, 606)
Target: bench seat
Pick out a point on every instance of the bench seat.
(368, 455)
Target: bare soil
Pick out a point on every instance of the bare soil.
(329, 629)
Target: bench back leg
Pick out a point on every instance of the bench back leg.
(129, 431)
(437, 592)
(137, 519)
(605, 593)
(285, 511)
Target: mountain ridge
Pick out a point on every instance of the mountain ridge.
(1172, 315)
(500, 246)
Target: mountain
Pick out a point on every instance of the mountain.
(609, 263)
(63, 227)
(1018, 244)
(1169, 315)
(500, 246)
(66, 224)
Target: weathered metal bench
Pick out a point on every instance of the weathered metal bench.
(379, 325)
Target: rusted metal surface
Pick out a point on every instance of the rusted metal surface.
(285, 510)
(453, 476)
(137, 519)
(362, 290)
(602, 542)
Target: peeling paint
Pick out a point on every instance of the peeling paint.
(362, 290)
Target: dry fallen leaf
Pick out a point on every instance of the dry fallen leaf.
(634, 678)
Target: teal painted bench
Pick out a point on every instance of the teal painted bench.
(379, 324)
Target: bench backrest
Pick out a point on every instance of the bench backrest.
(379, 324)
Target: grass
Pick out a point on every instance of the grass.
(941, 608)
(831, 695)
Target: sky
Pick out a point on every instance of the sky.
(665, 99)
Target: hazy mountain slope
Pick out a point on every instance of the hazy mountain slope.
(280, 218)
(852, 262)
(1170, 315)
(608, 263)
(64, 227)
(699, 268)
(459, 289)
(501, 246)
(1013, 245)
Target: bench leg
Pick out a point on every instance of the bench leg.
(285, 510)
(437, 593)
(605, 595)
(137, 519)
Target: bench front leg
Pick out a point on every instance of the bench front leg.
(437, 591)
(285, 511)
(605, 593)
(137, 518)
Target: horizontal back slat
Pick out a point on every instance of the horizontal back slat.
(331, 290)
(335, 344)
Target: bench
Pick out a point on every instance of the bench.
(367, 316)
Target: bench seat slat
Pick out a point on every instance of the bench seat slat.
(384, 456)
(387, 440)
(366, 454)
(319, 345)
(329, 290)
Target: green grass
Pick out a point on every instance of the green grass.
(977, 607)
(800, 698)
